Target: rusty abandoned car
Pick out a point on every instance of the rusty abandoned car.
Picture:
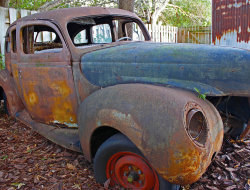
(128, 104)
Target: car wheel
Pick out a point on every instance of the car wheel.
(119, 160)
(6, 104)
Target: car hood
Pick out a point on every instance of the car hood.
(214, 70)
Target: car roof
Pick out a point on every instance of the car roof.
(64, 15)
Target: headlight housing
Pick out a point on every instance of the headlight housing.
(196, 124)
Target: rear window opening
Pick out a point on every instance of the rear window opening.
(40, 39)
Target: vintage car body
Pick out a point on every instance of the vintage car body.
(80, 95)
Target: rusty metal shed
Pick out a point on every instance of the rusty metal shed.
(231, 23)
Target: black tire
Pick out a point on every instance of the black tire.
(115, 144)
(6, 104)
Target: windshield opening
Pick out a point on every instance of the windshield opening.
(85, 32)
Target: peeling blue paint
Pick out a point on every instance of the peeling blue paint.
(211, 69)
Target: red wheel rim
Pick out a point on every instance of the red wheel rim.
(131, 171)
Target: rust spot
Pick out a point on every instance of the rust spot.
(161, 137)
(32, 97)
(119, 78)
(49, 94)
(185, 164)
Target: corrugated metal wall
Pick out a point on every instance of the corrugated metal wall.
(231, 23)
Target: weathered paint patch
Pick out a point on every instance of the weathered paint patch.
(161, 136)
(68, 124)
(49, 94)
(32, 97)
(121, 121)
(211, 69)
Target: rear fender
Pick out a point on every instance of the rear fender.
(154, 119)
(8, 85)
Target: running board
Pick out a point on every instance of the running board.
(65, 137)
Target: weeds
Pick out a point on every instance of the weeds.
(200, 95)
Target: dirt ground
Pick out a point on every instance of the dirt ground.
(29, 161)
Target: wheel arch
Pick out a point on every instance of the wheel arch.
(146, 114)
(8, 86)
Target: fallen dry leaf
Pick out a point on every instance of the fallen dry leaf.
(231, 187)
(20, 167)
(29, 158)
(106, 184)
(70, 166)
(211, 187)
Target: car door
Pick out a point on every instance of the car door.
(45, 73)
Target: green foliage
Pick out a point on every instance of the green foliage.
(35, 5)
(27, 4)
(103, 3)
(200, 95)
(182, 12)
(2, 62)
(188, 13)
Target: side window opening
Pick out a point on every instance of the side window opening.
(125, 26)
(81, 37)
(101, 33)
(13, 40)
(137, 33)
(85, 32)
(44, 36)
(40, 39)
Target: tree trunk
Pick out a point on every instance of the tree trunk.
(4, 3)
(129, 6)
(155, 16)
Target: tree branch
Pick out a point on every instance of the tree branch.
(49, 5)
(178, 7)
(158, 11)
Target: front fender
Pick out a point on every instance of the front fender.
(8, 85)
(154, 119)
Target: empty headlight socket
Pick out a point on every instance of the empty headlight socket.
(195, 123)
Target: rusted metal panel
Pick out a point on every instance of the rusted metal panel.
(49, 93)
(45, 80)
(211, 69)
(162, 136)
(231, 23)
(66, 137)
(8, 85)
(64, 15)
(83, 87)
(61, 17)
